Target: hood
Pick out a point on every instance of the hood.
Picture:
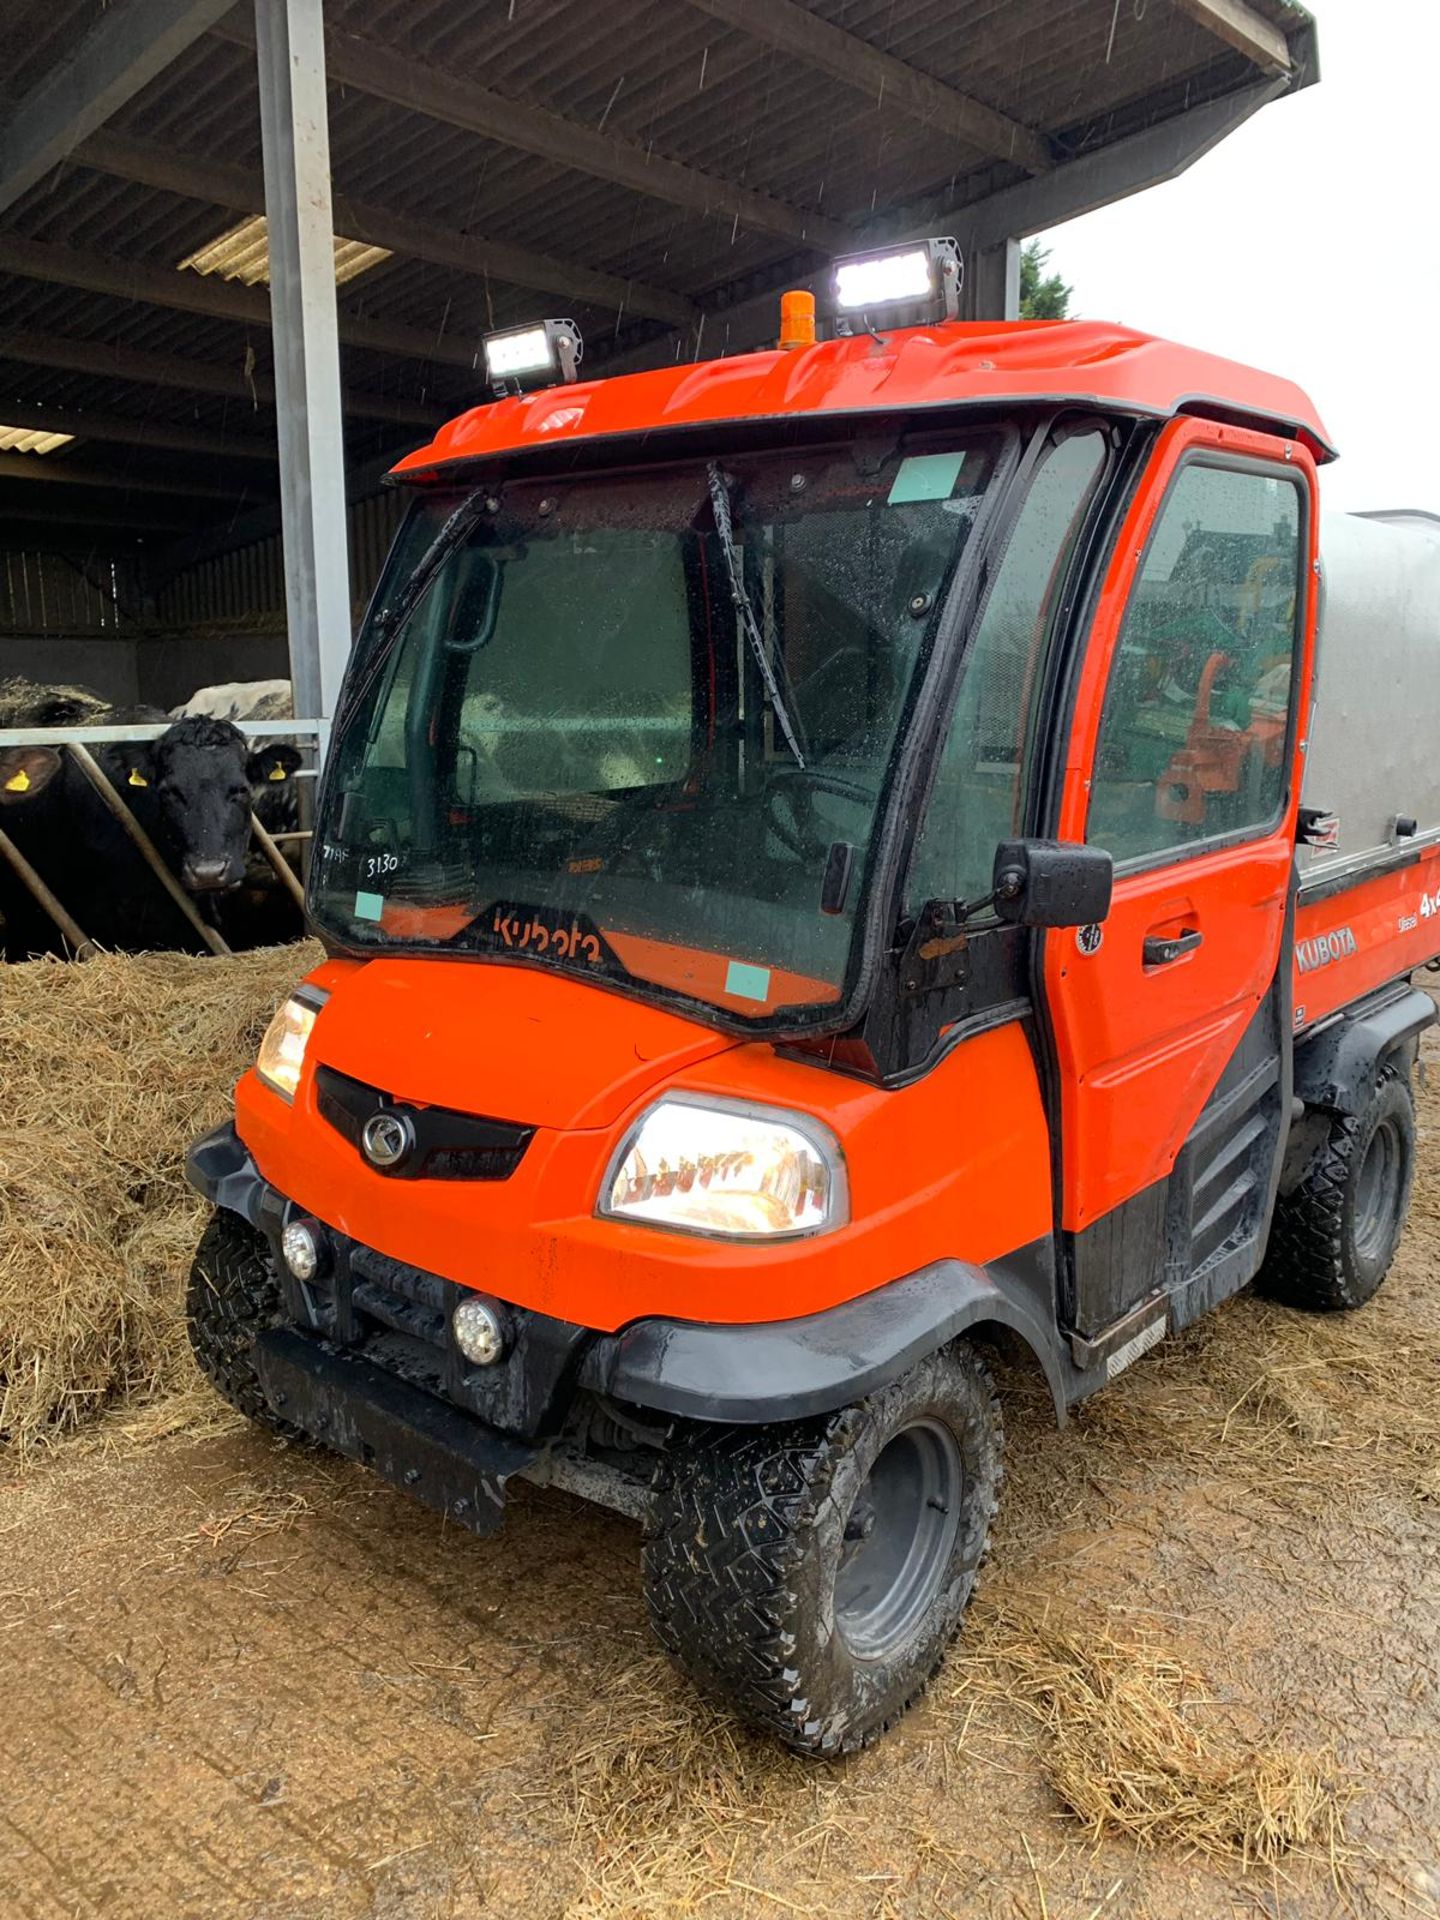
(508, 1042)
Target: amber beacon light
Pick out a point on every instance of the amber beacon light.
(797, 320)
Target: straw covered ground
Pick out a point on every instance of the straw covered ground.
(1201, 1678)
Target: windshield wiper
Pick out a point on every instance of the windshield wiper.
(389, 621)
(720, 506)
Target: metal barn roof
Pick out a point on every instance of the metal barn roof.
(655, 168)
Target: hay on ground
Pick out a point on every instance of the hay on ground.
(1138, 1747)
(107, 1071)
(673, 1799)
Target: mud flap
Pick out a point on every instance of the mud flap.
(445, 1458)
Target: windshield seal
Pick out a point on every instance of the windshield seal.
(905, 773)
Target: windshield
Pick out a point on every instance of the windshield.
(639, 725)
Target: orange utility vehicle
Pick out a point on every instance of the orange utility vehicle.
(729, 1031)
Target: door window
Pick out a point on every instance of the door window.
(978, 798)
(1197, 711)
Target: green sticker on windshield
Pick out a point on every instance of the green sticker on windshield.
(369, 906)
(925, 476)
(747, 983)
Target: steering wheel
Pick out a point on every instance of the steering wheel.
(616, 844)
(797, 786)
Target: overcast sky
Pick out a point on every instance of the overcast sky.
(1307, 243)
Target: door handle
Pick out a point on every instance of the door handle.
(1160, 949)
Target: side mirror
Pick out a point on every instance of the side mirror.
(1048, 883)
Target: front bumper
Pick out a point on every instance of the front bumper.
(409, 1437)
(747, 1374)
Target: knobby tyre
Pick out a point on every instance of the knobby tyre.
(812, 1575)
(233, 1295)
(1334, 1237)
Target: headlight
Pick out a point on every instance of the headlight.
(741, 1172)
(282, 1051)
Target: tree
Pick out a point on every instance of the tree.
(1042, 296)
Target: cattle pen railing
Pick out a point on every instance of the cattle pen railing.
(77, 741)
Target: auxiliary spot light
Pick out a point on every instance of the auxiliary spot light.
(543, 355)
(479, 1330)
(922, 278)
(303, 1249)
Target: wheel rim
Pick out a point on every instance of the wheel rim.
(899, 1539)
(1377, 1192)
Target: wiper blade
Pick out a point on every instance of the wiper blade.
(390, 621)
(720, 506)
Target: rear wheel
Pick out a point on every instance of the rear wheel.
(1334, 1237)
(234, 1294)
(812, 1575)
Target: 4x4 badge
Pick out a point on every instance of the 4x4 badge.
(1088, 939)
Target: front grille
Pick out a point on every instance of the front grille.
(402, 1315)
(448, 1145)
(399, 1317)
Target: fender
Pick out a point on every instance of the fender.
(792, 1369)
(1338, 1069)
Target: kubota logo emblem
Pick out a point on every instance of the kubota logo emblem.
(387, 1139)
(1324, 948)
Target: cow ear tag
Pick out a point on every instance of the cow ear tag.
(18, 782)
(137, 779)
(277, 773)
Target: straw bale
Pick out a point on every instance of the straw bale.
(108, 1069)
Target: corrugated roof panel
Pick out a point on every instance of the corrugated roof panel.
(243, 253)
(31, 440)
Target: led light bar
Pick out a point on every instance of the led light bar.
(925, 275)
(543, 355)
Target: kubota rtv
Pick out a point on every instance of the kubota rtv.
(831, 859)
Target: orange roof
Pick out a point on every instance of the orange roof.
(954, 364)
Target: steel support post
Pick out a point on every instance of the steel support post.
(290, 52)
(992, 282)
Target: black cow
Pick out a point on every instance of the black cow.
(191, 790)
(261, 912)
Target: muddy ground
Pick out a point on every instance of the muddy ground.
(238, 1680)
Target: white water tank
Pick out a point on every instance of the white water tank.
(1374, 753)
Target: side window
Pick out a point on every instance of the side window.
(978, 798)
(1197, 710)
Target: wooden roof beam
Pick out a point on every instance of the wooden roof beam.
(794, 30)
(122, 52)
(191, 292)
(48, 469)
(242, 189)
(123, 431)
(146, 517)
(387, 74)
(1241, 27)
(191, 376)
(1097, 179)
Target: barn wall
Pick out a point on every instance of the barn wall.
(172, 667)
(44, 592)
(221, 620)
(109, 666)
(250, 582)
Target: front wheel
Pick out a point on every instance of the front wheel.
(234, 1294)
(812, 1575)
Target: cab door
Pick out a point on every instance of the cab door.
(1170, 1022)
